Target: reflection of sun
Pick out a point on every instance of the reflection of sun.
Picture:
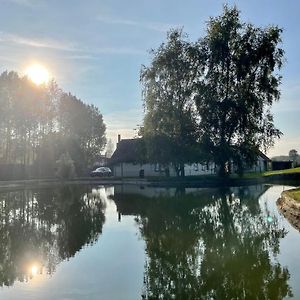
(38, 74)
(34, 270)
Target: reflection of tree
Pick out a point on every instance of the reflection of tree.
(45, 226)
(213, 245)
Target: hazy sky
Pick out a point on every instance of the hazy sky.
(95, 49)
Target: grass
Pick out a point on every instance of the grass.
(250, 175)
(282, 172)
(295, 194)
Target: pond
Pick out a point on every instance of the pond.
(131, 242)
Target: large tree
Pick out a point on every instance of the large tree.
(170, 122)
(216, 92)
(236, 87)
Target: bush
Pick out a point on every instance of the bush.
(65, 167)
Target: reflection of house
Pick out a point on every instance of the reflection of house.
(135, 200)
(125, 163)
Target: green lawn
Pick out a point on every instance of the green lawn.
(295, 194)
(282, 172)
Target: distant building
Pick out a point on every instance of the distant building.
(281, 165)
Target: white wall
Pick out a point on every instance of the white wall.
(258, 167)
(133, 170)
(199, 169)
(195, 169)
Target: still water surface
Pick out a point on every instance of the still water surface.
(127, 242)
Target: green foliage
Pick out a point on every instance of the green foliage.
(170, 121)
(214, 94)
(295, 194)
(237, 87)
(39, 123)
(83, 123)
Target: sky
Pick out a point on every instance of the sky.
(95, 49)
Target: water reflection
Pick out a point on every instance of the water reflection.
(208, 244)
(40, 228)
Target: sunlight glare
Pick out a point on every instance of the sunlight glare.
(34, 270)
(38, 74)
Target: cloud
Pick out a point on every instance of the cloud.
(82, 57)
(8, 59)
(119, 50)
(81, 52)
(28, 3)
(156, 26)
(50, 44)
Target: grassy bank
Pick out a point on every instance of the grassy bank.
(295, 194)
(282, 172)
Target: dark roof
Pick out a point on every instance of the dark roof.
(262, 155)
(127, 151)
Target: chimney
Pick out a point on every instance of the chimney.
(119, 139)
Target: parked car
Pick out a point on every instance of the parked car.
(101, 172)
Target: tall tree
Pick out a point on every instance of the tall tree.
(228, 77)
(236, 87)
(169, 125)
(83, 123)
(39, 123)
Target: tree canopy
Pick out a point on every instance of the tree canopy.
(216, 92)
(39, 123)
(170, 120)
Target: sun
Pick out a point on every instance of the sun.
(38, 74)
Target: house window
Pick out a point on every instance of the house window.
(195, 167)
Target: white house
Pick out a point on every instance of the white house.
(125, 163)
